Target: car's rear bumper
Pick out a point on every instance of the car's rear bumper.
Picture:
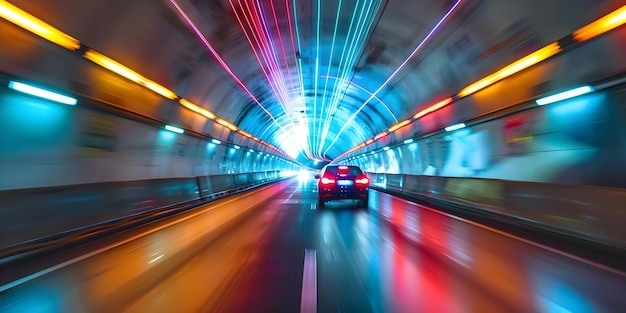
(338, 194)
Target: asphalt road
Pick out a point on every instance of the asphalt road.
(272, 250)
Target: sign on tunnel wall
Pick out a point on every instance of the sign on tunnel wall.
(97, 135)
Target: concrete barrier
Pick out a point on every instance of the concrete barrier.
(595, 214)
(35, 213)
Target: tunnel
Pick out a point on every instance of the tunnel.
(167, 155)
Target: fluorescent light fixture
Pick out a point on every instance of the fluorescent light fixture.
(399, 125)
(227, 124)
(42, 93)
(237, 147)
(565, 95)
(512, 68)
(174, 129)
(433, 108)
(22, 19)
(127, 73)
(251, 150)
(215, 141)
(191, 106)
(455, 127)
(602, 25)
(408, 141)
(386, 148)
(381, 135)
(373, 152)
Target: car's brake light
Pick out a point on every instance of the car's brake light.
(327, 181)
(362, 181)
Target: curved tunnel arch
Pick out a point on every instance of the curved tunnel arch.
(112, 151)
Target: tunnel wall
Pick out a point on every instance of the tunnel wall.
(50, 144)
(580, 141)
(560, 167)
(66, 168)
(576, 142)
(593, 214)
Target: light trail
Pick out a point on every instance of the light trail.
(417, 49)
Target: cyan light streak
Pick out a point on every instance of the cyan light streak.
(354, 43)
(340, 73)
(366, 91)
(317, 56)
(330, 58)
(300, 75)
(419, 46)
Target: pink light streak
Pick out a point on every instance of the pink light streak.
(219, 59)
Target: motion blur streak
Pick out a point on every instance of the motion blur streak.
(399, 257)
(35, 25)
(610, 21)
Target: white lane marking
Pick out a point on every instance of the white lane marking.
(308, 302)
(526, 241)
(56, 267)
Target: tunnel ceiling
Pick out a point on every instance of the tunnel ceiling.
(313, 78)
(315, 72)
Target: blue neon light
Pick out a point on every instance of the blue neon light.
(455, 127)
(42, 93)
(565, 95)
(174, 129)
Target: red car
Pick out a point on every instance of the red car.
(338, 182)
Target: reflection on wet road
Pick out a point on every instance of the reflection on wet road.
(272, 251)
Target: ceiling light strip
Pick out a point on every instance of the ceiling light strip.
(515, 67)
(36, 26)
(602, 25)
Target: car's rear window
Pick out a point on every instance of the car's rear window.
(340, 170)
